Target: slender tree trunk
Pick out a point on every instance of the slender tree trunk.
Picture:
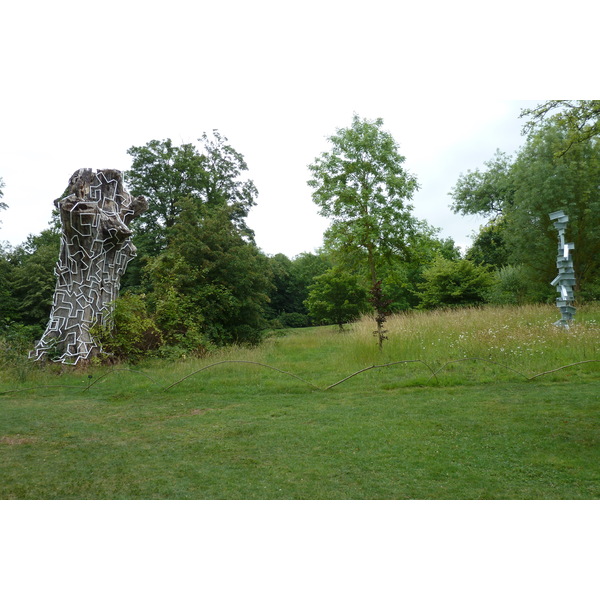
(379, 316)
(95, 250)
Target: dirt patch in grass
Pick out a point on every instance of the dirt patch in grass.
(16, 440)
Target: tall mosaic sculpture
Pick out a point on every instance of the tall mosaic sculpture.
(565, 280)
(95, 250)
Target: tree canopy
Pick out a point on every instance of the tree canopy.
(363, 188)
(167, 175)
(580, 118)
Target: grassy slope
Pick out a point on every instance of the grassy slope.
(243, 431)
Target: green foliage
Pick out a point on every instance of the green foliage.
(16, 340)
(9, 309)
(164, 174)
(543, 178)
(223, 184)
(489, 246)
(580, 118)
(512, 284)
(362, 187)
(224, 279)
(168, 175)
(336, 297)
(291, 279)
(28, 274)
(131, 333)
(450, 283)
(489, 192)
(205, 280)
(548, 181)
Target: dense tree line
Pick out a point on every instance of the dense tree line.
(558, 168)
(199, 280)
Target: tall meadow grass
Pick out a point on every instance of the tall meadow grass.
(522, 338)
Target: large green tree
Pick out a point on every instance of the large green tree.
(211, 177)
(165, 174)
(540, 179)
(362, 187)
(547, 180)
(210, 280)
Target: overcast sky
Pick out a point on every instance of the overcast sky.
(82, 82)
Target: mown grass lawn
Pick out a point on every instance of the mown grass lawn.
(242, 431)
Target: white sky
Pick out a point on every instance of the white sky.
(82, 82)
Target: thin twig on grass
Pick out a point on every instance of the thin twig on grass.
(563, 367)
(399, 362)
(95, 381)
(249, 362)
(482, 359)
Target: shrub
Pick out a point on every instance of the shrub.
(449, 283)
(511, 285)
(131, 333)
(16, 341)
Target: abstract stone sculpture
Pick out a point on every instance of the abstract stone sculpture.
(95, 250)
(565, 280)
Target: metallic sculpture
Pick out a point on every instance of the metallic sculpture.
(565, 280)
(95, 250)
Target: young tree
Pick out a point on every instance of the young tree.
(363, 188)
(336, 297)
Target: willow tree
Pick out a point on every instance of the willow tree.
(363, 188)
